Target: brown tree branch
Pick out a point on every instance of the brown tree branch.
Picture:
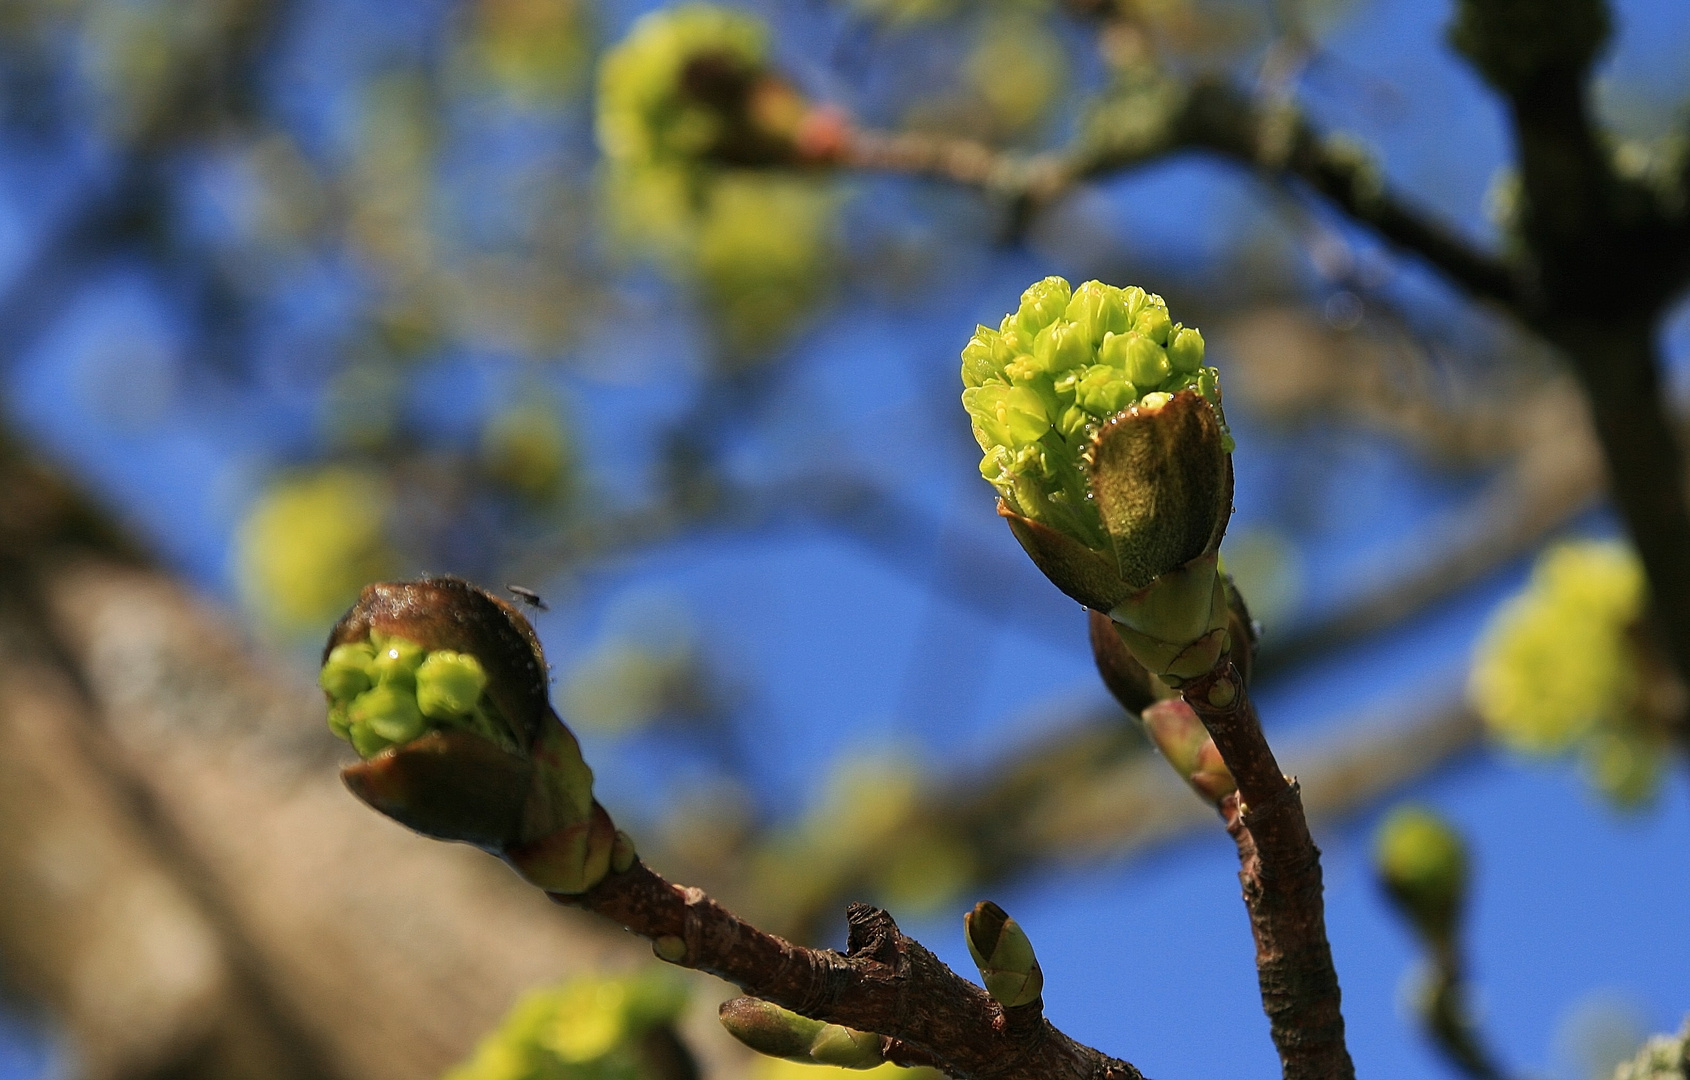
(886, 982)
(1280, 872)
(1210, 115)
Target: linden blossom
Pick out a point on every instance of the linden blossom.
(1102, 431)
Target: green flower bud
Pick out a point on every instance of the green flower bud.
(1112, 465)
(449, 684)
(1062, 346)
(983, 357)
(769, 1029)
(1153, 321)
(1042, 304)
(1098, 309)
(1004, 955)
(339, 722)
(346, 672)
(389, 711)
(1422, 863)
(1185, 352)
(396, 662)
(1145, 362)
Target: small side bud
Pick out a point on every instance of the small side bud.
(1004, 955)
(1183, 741)
(458, 737)
(1422, 863)
(769, 1029)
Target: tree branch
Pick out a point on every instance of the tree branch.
(1209, 115)
(1280, 872)
(885, 983)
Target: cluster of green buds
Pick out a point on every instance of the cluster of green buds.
(1004, 954)
(389, 690)
(693, 84)
(781, 1033)
(1422, 863)
(1102, 432)
(441, 687)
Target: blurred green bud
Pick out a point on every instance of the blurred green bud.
(1422, 863)
(776, 1032)
(1185, 351)
(339, 722)
(1042, 303)
(449, 684)
(487, 761)
(1183, 740)
(1555, 662)
(346, 673)
(1004, 955)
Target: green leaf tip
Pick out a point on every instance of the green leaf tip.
(776, 1032)
(1004, 955)
(1422, 863)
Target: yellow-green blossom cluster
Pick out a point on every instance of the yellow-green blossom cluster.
(1039, 387)
(1559, 667)
(388, 691)
(586, 1029)
(1555, 660)
(645, 115)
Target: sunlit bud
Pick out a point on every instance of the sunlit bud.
(1422, 862)
(1098, 309)
(981, 357)
(1042, 304)
(449, 684)
(1145, 362)
(1153, 321)
(346, 672)
(1061, 346)
(500, 771)
(1185, 353)
(1004, 955)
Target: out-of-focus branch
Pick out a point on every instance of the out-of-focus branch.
(1603, 258)
(1208, 115)
(885, 983)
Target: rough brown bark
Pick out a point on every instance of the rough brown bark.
(886, 983)
(1280, 873)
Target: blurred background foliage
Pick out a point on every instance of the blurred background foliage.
(574, 296)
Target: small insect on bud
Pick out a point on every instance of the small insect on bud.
(1004, 955)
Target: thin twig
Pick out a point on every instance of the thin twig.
(885, 983)
(1280, 872)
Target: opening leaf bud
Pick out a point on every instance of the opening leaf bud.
(1004, 955)
(769, 1029)
(1422, 863)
